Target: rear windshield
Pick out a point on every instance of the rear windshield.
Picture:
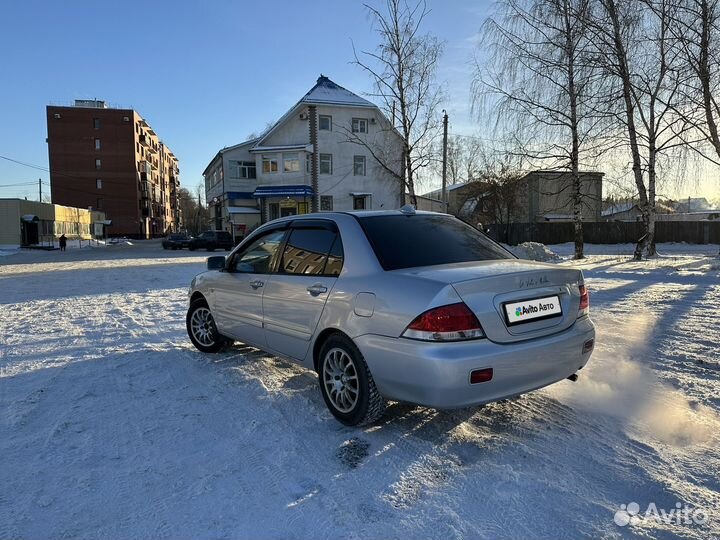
(427, 240)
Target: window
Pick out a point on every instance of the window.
(359, 203)
(325, 122)
(269, 164)
(306, 252)
(326, 203)
(426, 240)
(98, 164)
(291, 162)
(303, 208)
(98, 183)
(326, 164)
(97, 144)
(358, 165)
(96, 123)
(99, 204)
(242, 169)
(359, 125)
(258, 256)
(336, 258)
(308, 163)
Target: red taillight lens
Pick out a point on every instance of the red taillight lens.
(584, 308)
(454, 322)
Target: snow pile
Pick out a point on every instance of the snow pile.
(535, 251)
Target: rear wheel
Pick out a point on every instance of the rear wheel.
(202, 329)
(346, 383)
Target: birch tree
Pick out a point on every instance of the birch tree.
(697, 28)
(635, 45)
(541, 85)
(403, 69)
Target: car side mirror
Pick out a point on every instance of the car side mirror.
(216, 263)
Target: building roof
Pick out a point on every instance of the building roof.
(617, 208)
(327, 92)
(227, 149)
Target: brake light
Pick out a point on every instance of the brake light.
(584, 308)
(454, 322)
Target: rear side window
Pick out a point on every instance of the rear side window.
(312, 252)
(427, 240)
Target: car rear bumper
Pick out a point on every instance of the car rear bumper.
(438, 374)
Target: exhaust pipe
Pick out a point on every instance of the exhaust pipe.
(573, 377)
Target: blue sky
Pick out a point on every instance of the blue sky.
(204, 74)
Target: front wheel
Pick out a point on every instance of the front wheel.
(202, 329)
(346, 383)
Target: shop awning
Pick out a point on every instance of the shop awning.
(283, 191)
(29, 218)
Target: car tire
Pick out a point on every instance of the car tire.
(202, 330)
(352, 404)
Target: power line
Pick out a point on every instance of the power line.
(16, 185)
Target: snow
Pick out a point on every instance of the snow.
(328, 92)
(534, 251)
(114, 426)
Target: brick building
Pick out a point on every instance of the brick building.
(111, 160)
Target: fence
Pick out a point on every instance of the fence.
(612, 232)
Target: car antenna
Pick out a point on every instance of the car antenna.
(408, 210)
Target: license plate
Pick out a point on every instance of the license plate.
(532, 310)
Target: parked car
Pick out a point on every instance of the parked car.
(176, 241)
(395, 305)
(211, 240)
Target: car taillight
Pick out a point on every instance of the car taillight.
(454, 322)
(584, 308)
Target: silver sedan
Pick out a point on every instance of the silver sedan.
(395, 305)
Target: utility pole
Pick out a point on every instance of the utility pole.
(444, 168)
(40, 189)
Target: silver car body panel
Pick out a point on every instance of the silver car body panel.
(374, 307)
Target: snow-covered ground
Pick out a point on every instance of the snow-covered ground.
(113, 426)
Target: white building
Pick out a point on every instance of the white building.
(270, 177)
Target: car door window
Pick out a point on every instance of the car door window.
(306, 251)
(335, 258)
(258, 256)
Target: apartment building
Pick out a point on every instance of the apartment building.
(349, 139)
(111, 160)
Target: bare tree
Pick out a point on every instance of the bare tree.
(403, 70)
(465, 158)
(636, 47)
(697, 27)
(543, 86)
(193, 213)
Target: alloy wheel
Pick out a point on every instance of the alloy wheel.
(341, 380)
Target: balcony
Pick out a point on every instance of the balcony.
(145, 167)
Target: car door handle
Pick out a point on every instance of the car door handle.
(316, 289)
(256, 284)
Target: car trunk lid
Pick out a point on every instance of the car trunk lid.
(546, 294)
